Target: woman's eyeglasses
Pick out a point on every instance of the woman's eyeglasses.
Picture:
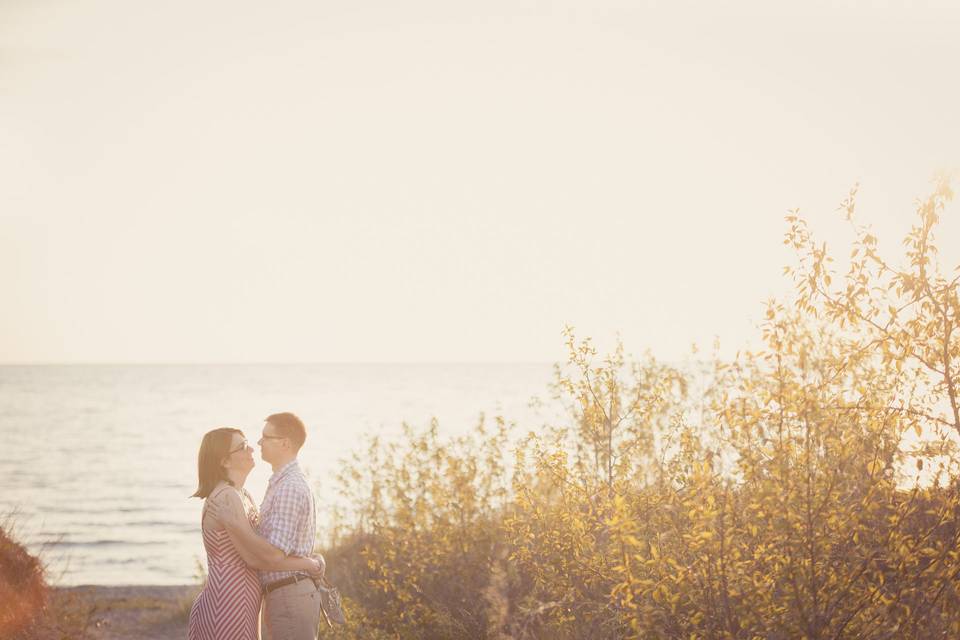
(242, 447)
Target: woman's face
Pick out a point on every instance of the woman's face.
(240, 457)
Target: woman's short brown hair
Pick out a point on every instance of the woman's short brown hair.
(289, 426)
(213, 449)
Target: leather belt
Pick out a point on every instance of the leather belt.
(273, 586)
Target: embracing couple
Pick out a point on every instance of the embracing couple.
(253, 554)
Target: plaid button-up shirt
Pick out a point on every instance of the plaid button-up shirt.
(288, 517)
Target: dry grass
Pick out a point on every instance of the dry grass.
(23, 590)
(32, 610)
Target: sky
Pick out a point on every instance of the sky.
(436, 181)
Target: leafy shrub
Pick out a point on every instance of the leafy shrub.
(810, 489)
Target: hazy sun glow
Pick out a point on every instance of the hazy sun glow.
(367, 181)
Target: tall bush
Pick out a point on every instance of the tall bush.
(808, 489)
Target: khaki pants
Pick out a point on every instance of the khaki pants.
(291, 612)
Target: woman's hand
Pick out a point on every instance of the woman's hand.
(321, 566)
(313, 566)
(229, 516)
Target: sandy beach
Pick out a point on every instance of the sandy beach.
(125, 612)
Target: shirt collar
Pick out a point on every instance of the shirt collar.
(284, 471)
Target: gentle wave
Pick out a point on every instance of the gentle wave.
(67, 544)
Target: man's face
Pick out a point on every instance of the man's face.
(271, 443)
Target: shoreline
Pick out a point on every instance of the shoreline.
(122, 612)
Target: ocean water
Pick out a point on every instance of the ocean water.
(97, 462)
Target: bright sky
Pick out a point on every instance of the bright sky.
(360, 180)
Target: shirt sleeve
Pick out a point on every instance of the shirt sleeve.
(282, 522)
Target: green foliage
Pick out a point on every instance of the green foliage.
(418, 555)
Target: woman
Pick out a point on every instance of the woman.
(229, 604)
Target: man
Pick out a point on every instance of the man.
(288, 521)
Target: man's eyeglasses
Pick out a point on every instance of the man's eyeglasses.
(273, 437)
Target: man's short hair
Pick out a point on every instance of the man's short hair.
(289, 426)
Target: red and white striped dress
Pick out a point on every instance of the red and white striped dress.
(229, 604)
